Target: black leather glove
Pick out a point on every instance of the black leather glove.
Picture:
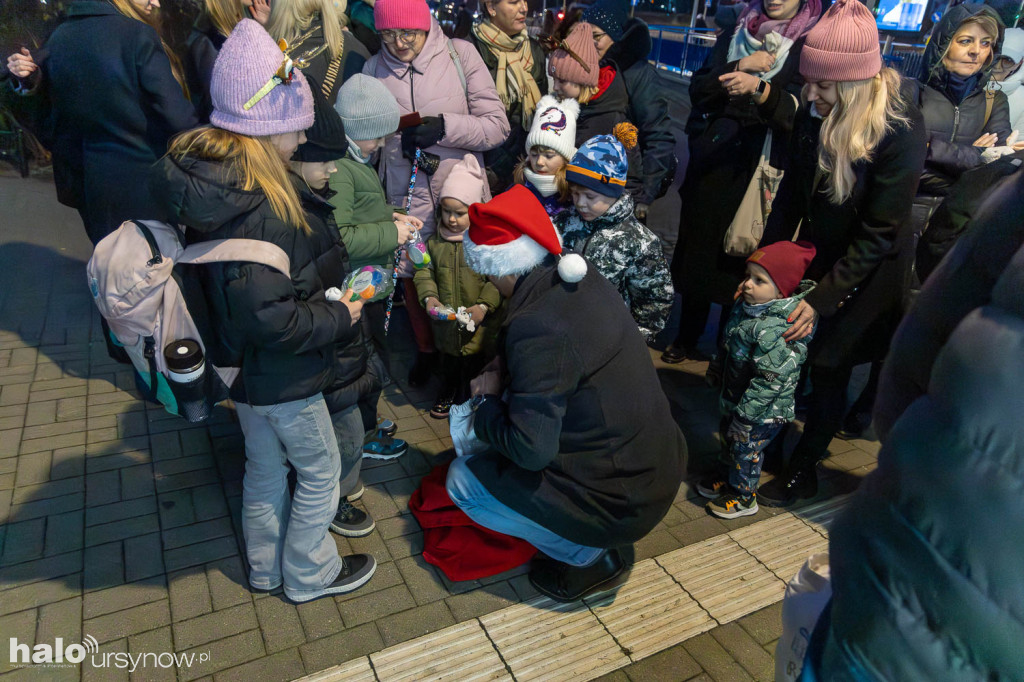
(426, 134)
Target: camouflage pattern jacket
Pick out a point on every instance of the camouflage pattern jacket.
(761, 370)
(629, 256)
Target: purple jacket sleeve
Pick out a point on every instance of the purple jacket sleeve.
(486, 125)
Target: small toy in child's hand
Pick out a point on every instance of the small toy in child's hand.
(370, 283)
(416, 249)
(463, 317)
(333, 294)
(445, 313)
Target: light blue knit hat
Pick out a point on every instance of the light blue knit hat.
(600, 164)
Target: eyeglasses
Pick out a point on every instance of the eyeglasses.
(597, 35)
(391, 36)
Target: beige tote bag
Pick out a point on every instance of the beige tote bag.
(747, 227)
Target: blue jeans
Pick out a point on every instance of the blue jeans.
(348, 430)
(470, 495)
(747, 460)
(288, 539)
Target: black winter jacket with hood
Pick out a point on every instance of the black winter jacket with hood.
(281, 330)
(954, 110)
(647, 110)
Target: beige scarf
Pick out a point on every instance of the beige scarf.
(516, 58)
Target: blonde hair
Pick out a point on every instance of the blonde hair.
(587, 93)
(865, 111)
(561, 184)
(254, 160)
(289, 19)
(224, 14)
(129, 10)
(989, 22)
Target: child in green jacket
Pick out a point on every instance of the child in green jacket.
(760, 371)
(449, 282)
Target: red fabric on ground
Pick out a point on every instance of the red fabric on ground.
(453, 542)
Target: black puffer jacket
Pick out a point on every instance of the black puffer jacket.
(954, 121)
(502, 159)
(352, 380)
(648, 110)
(925, 585)
(203, 45)
(600, 116)
(282, 331)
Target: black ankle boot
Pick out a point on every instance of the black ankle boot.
(785, 490)
(565, 583)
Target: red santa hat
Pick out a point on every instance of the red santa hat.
(512, 234)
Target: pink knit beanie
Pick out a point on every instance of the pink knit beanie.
(579, 42)
(407, 14)
(466, 182)
(843, 46)
(247, 63)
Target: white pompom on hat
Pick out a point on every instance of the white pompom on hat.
(512, 234)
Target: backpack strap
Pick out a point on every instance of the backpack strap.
(243, 250)
(454, 54)
(990, 100)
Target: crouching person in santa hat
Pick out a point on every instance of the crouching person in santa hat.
(585, 457)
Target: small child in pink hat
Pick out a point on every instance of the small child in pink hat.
(448, 284)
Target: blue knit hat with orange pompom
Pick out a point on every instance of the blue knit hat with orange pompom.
(601, 163)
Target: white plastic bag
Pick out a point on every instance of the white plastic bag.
(460, 425)
(806, 596)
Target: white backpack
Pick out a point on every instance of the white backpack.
(135, 277)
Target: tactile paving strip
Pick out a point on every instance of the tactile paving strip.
(782, 543)
(723, 578)
(357, 670)
(820, 515)
(544, 640)
(651, 612)
(461, 653)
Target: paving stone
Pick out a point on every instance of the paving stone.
(223, 654)
(151, 669)
(481, 601)
(137, 481)
(10, 442)
(279, 623)
(44, 592)
(20, 626)
(191, 633)
(228, 582)
(189, 479)
(180, 465)
(370, 607)
(102, 602)
(614, 676)
(195, 441)
(405, 546)
(16, 394)
(33, 468)
(166, 448)
(54, 429)
(102, 488)
(41, 413)
(176, 509)
(117, 460)
(15, 422)
(129, 622)
(764, 625)
(397, 526)
(104, 566)
(422, 580)
(42, 569)
(281, 667)
(48, 507)
(200, 553)
(107, 671)
(119, 530)
(67, 462)
(25, 541)
(342, 647)
(208, 502)
(655, 543)
(116, 403)
(524, 590)
(319, 618)
(60, 619)
(387, 575)
(189, 593)
(143, 557)
(701, 529)
(715, 660)
(64, 533)
(131, 424)
(407, 625)
(71, 408)
(120, 511)
(746, 651)
(58, 393)
(371, 544)
(197, 532)
(45, 491)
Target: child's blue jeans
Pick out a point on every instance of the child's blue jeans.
(747, 458)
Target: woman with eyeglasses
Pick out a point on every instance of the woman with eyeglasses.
(448, 85)
(516, 62)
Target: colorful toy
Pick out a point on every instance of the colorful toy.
(370, 283)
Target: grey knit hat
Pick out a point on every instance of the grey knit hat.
(367, 109)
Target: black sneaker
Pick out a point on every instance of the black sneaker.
(732, 506)
(356, 571)
(351, 522)
(443, 405)
(785, 490)
(674, 354)
(712, 488)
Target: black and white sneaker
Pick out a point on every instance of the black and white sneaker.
(356, 571)
(351, 522)
(356, 494)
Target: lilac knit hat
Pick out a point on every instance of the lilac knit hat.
(407, 14)
(247, 62)
(580, 42)
(843, 46)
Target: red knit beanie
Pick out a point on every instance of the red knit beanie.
(842, 46)
(786, 263)
(399, 14)
(564, 66)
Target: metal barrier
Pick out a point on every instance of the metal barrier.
(680, 49)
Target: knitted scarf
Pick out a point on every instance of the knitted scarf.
(515, 59)
(758, 24)
(546, 185)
